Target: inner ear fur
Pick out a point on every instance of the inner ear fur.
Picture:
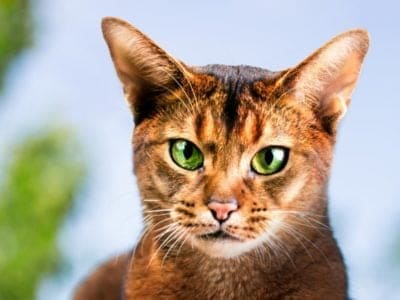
(143, 67)
(326, 79)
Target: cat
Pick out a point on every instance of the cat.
(232, 164)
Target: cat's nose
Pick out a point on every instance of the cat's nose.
(221, 210)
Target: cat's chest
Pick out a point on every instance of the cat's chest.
(198, 282)
(222, 282)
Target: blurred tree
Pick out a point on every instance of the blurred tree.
(15, 31)
(43, 175)
(42, 178)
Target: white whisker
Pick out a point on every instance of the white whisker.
(180, 234)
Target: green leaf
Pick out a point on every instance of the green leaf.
(43, 176)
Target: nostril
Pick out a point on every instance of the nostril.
(222, 210)
(214, 214)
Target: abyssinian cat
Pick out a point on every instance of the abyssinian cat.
(232, 164)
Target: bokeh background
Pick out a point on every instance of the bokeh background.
(67, 196)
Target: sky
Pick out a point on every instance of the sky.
(68, 77)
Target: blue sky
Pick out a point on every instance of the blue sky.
(68, 76)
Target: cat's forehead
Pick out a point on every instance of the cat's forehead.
(232, 103)
(242, 98)
(235, 91)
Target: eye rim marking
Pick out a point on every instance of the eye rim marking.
(283, 163)
(198, 166)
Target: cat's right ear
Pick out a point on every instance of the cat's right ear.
(144, 69)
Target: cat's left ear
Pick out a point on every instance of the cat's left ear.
(326, 79)
(145, 69)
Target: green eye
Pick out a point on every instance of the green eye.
(270, 160)
(186, 155)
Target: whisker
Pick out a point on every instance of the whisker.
(314, 246)
(169, 232)
(310, 217)
(183, 71)
(297, 212)
(159, 222)
(178, 237)
(151, 200)
(278, 243)
(183, 241)
(172, 91)
(155, 215)
(165, 228)
(283, 248)
(169, 238)
(183, 90)
(308, 224)
(287, 228)
(143, 234)
(158, 210)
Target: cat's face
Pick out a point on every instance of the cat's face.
(225, 178)
(231, 159)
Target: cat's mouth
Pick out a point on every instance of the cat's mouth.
(218, 235)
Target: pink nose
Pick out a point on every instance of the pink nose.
(222, 210)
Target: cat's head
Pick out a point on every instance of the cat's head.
(233, 158)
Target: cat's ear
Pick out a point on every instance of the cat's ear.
(326, 79)
(144, 69)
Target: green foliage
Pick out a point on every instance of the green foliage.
(43, 176)
(15, 31)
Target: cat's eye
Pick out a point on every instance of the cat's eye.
(186, 155)
(270, 160)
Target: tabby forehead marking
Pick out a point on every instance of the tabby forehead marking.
(205, 126)
(251, 129)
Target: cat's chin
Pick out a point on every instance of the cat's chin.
(221, 244)
(228, 247)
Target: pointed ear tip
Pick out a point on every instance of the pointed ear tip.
(360, 33)
(360, 36)
(107, 23)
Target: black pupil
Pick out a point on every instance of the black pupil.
(188, 151)
(268, 156)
